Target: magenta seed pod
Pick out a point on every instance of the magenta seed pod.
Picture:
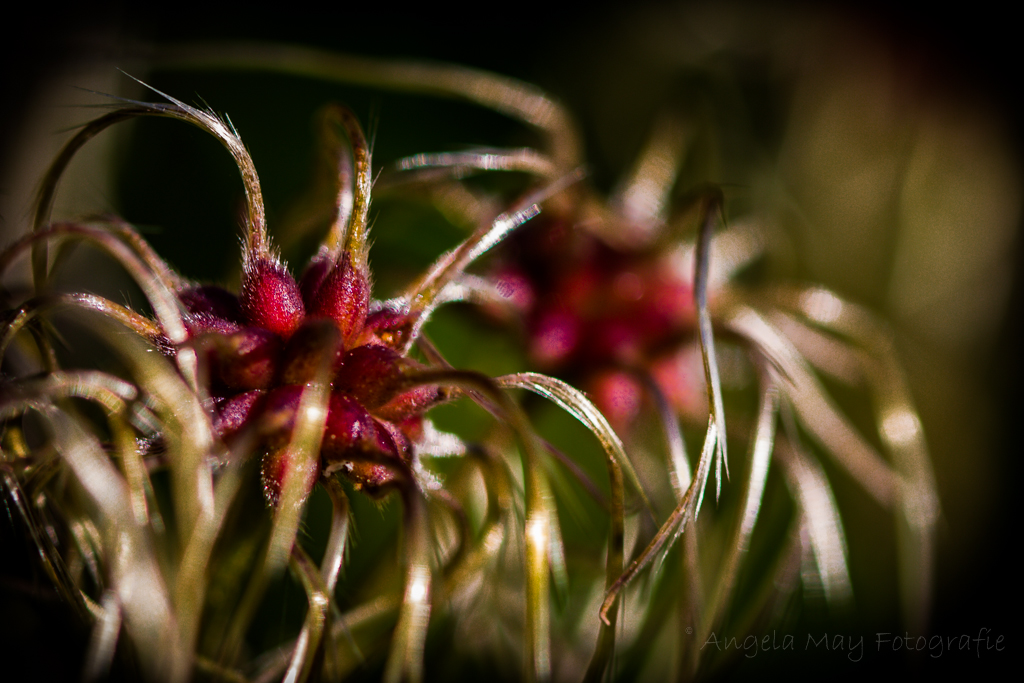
(371, 374)
(234, 413)
(271, 299)
(349, 431)
(314, 342)
(210, 308)
(344, 297)
(248, 359)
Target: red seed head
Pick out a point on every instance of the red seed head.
(619, 397)
(398, 437)
(616, 337)
(513, 284)
(680, 375)
(672, 297)
(412, 427)
(359, 446)
(211, 299)
(271, 299)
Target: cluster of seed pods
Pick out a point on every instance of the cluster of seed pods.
(268, 342)
(262, 347)
(595, 313)
(257, 373)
